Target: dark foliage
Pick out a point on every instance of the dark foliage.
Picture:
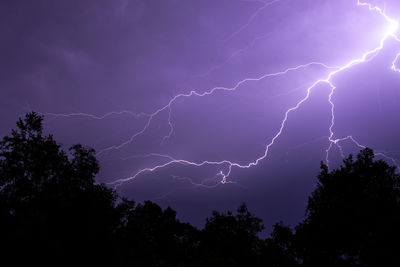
(353, 216)
(50, 205)
(279, 249)
(230, 240)
(53, 212)
(150, 236)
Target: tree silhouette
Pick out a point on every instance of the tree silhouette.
(279, 249)
(50, 205)
(150, 236)
(231, 240)
(353, 216)
(52, 211)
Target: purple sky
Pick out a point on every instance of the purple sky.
(116, 75)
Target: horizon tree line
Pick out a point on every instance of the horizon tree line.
(53, 212)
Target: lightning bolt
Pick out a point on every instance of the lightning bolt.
(192, 93)
(226, 166)
(395, 61)
(95, 117)
(393, 27)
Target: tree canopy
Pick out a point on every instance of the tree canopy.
(50, 205)
(353, 216)
(53, 211)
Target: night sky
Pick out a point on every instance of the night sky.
(205, 104)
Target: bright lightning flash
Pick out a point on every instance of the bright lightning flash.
(393, 28)
(227, 166)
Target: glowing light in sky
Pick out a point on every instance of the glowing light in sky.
(227, 166)
(395, 61)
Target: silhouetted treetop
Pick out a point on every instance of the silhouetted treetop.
(353, 216)
(231, 240)
(280, 248)
(30, 162)
(53, 212)
(47, 198)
